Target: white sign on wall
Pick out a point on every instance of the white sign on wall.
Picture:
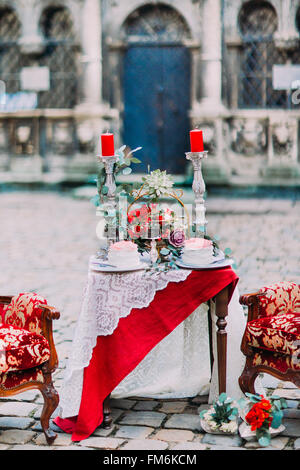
(20, 101)
(35, 78)
(286, 77)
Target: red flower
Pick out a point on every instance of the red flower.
(259, 413)
(265, 404)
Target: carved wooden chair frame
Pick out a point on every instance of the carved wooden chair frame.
(50, 395)
(250, 372)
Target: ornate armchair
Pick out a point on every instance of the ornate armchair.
(271, 342)
(27, 352)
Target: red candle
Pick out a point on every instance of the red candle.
(107, 144)
(196, 139)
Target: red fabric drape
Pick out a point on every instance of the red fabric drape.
(115, 356)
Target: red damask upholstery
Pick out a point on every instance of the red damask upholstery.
(279, 299)
(271, 342)
(2, 307)
(20, 349)
(27, 351)
(276, 361)
(23, 311)
(18, 378)
(280, 333)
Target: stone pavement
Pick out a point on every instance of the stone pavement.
(46, 239)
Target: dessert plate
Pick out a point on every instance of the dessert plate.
(223, 263)
(105, 267)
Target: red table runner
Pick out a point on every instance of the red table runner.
(116, 355)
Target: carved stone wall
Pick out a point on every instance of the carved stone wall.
(251, 131)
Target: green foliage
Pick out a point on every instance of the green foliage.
(169, 255)
(122, 165)
(264, 439)
(224, 411)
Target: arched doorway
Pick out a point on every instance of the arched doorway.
(156, 87)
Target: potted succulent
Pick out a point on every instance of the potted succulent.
(221, 417)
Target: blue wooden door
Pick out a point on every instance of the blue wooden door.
(156, 104)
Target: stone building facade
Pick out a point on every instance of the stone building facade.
(149, 71)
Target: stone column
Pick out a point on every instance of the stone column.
(211, 57)
(91, 54)
(287, 37)
(31, 41)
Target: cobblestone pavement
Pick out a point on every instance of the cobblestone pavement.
(46, 239)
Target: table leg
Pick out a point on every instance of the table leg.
(107, 419)
(221, 313)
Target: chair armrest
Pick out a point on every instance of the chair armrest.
(5, 299)
(252, 302)
(48, 315)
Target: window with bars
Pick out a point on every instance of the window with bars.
(258, 23)
(10, 56)
(60, 57)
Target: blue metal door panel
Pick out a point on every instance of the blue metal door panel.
(142, 79)
(156, 103)
(176, 83)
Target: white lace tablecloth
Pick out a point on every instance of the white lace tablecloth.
(107, 298)
(179, 366)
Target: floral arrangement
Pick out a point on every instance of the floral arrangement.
(148, 221)
(168, 250)
(143, 218)
(221, 417)
(157, 230)
(169, 240)
(264, 414)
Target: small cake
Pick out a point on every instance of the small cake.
(124, 254)
(198, 251)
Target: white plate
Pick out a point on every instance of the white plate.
(99, 267)
(217, 264)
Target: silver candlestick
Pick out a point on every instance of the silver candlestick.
(110, 183)
(153, 251)
(199, 220)
(111, 205)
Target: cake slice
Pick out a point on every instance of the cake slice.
(124, 254)
(198, 251)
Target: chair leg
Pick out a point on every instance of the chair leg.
(296, 380)
(247, 379)
(51, 400)
(107, 419)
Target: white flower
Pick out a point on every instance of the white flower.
(158, 182)
(229, 427)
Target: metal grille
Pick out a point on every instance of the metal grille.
(60, 57)
(258, 22)
(156, 23)
(10, 57)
